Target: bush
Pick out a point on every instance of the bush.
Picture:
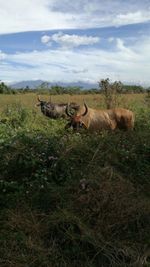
(73, 199)
(111, 92)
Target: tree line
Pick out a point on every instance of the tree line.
(104, 86)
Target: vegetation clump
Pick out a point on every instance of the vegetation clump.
(73, 199)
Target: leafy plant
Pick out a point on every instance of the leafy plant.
(111, 92)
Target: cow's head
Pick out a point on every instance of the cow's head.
(56, 110)
(46, 107)
(76, 120)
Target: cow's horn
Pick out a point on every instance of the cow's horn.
(86, 110)
(67, 111)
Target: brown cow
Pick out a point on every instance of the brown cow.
(97, 120)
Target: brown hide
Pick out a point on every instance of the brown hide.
(97, 120)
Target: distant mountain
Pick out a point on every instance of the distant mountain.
(34, 84)
(24, 84)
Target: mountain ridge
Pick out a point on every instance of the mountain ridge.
(33, 84)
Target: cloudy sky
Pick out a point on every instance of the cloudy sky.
(82, 40)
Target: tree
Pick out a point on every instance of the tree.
(110, 91)
(4, 89)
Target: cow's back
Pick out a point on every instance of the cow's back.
(124, 118)
(97, 120)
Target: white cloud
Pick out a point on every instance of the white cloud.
(132, 18)
(45, 39)
(130, 64)
(30, 15)
(33, 15)
(125, 50)
(2, 55)
(69, 40)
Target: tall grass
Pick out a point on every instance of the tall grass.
(73, 199)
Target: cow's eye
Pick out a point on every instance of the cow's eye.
(80, 124)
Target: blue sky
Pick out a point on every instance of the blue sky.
(69, 41)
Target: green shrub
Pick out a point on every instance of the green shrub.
(73, 199)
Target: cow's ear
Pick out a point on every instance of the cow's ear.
(83, 125)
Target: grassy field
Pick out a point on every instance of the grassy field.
(95, 100)
(73, 199)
